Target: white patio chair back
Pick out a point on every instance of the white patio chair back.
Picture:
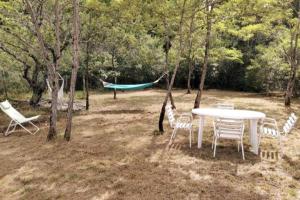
(228, 106)
(170, 115)
(231, 129)
(7, 108)
(289, 124)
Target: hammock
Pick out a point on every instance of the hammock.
(60, 96)
(130, 86)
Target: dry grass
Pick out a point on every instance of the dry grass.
(115, 154)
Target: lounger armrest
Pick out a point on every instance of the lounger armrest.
(32, 118)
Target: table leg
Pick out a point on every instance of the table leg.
(253, 135)
(200, 131)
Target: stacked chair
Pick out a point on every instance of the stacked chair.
(269, 129)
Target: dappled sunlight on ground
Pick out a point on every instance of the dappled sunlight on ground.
(116, 153)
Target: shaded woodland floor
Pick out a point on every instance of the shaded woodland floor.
(116, 153)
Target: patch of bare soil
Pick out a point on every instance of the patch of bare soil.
(115, 154)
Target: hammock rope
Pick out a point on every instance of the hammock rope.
(130, 86)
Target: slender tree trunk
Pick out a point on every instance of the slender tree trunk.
(87, 102)
(191, 68)
(167, 49)
(37, 85)
(180, 50)
(75, 67)
(190, 59)
(209, 9)
(50, 66)
(87, 62)
(54, 102)
(66, 82)
(114, 67)
(4, 84)
(83, 83)
(294, 64)
(37, 93)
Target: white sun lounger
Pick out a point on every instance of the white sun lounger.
(16, 119)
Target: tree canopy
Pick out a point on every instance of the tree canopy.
(250, 48)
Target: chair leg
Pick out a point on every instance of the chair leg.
(37, 128)
(280, 147)
(173, 136)
(242, 150)
(213, 141)
(190, 138)
(9, 130)
(192, 134)
(26, 129)
(215, 146)
(174, 133)
(238, 146)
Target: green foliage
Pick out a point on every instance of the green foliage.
(125, 39)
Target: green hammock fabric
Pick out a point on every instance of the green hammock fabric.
(128, 86)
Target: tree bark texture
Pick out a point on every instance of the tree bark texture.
(294, 63)
(209, 9)
(75, 67)
(190, 57)
(167, 78)
(51, 66)
(180, 50)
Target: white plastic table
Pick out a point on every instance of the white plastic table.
(252, 116)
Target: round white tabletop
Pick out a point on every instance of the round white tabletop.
(232, 114)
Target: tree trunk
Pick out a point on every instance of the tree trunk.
(37, 93)
(167, 49)
(36, 82)
(289, 92)
(209, 9)
(294, 64)
(114, 68)
(83, 83)
(292, 80)
(54, 101)
(50, 65)
(191, 68)
(4, 84)
(190, 59)
(87, 102)
(75, 67)
(87, 61)
(180, 50)
(35, 85)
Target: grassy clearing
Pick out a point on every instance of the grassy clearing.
(115, 153)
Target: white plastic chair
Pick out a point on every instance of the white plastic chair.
(184, 121)
(228, 106)
(231, 129)
(17, 119)
(269, 128)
